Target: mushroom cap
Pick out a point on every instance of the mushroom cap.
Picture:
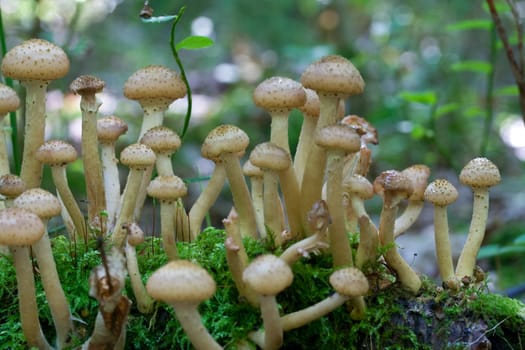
(363, 128)
(56, 152)
(268, 275)
(358, 185)
(135, 234)
(225, 138)
(333, 74)
(440, 192)
(20, 227)
(278, 93)
(339, 137)
(137, 155)
(167, 188)
(110, 128)
(161, 140)
(87, 85)
(35, 59)
(350, 282)
(9, 101)
(480, 172)
(312, 106)
(268, 155)
(418, 174)
(154, 82)
(251, 170)
(39, 201)
(392, 182)
(11, 185)
(181, 281)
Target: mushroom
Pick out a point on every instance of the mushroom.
(184, 285)
(34, 62)
(480, 174)
(138, 157)
(268, 275)
(418, 174)
(87, 86)
(333, 78)
(164, 142)
(394, 187)
(255, 174)
(276, 162)
(46, 206)
(441, 193)
(57, 154)
(337, 140)
(359, 163)
(225, 143)
(11, 186)
(356, 189)
(167, 189)
(20, 229)
(348, 283)
(109, 129)
(310, 111)
(9, 102)
(135, 236)
(278, 96)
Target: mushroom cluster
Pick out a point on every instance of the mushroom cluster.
(304, 203)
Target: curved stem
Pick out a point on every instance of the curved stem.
(191, 322)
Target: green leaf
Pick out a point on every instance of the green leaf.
(509, 90)
(424, 97)
(445, 109)
(194, 42)
(520, 239)
(489, 251)
(470, 24)
(472, 66)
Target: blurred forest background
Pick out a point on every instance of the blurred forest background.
(439, 88)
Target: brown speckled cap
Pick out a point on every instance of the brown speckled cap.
(480, 172)
(349, 282)
(137, 155)
(440, 192)
(35, 59)
(20, 227)
(268, 155)
(153, 82)
(161, 140)
(39, 201)
(225, 138)
(9, 100)
(167, 188)
(338, 137)
(110, 128)
(11, 185)
(279, 93)
(268, 275)
(56, 152)
(87, 85)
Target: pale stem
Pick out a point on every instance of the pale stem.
(4, 159)
(206, 199)
(273, 214)
(258, 203)
(406, 275)
(442, 240)
(167, 225)
(279, 129)
(304, 145)
(27, 299)
(111, 182)
(467, 258)
(292, 200)
(144, 301)
(313, 174)
(273, 330)
(408, 217)
(34, 131)
(55, 295)
(164, 165)
(182, 222)
(60, 180)
(303, 317)
(127, 205)
(310, 244)
(91, 159)
(191, 322)
(368, 242)
(240, 194)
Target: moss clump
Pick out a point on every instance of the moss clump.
(395, 319)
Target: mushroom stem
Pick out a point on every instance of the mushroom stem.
(368, 242)
(111, 182)
(206, 199)
(144, 301)
(443, 249)
(167, 224)
(191, 322)
(408, 217)
(34, 129)
(272, 209)
(27, 299)
(273, 330)
(128, 204)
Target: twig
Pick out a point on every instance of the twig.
(487, 331)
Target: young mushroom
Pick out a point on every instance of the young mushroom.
(46, 206)
(34, 62)
(20, 229)
(441, 193)
(57, 154)
(268, 275)
(87, 86)
(9, 102)
(225, 143)
(11, 186)
(394, 187)
(184, 285)
(279, 95)
(480, 174)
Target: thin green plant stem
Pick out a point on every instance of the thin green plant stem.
(12, 115)
(182, 72)
(489, 94)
